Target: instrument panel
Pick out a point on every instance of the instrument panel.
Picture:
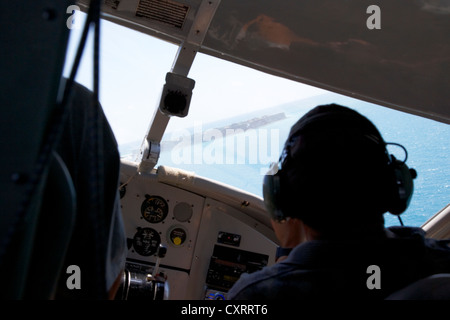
(208, 243)
(157, 214)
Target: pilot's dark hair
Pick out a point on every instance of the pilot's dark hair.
(334, 171)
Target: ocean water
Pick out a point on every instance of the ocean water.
(241, 158)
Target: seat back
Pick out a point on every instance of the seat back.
(53, 232)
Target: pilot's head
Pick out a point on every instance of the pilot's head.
(335, 172)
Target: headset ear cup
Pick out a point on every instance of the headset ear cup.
(403, 187)
(272, 193)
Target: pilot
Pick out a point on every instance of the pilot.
(327, 196)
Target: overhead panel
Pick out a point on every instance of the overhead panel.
(168, 12)
(168, 20)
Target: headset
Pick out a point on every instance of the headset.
(401, 176)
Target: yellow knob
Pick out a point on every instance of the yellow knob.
(176, 241)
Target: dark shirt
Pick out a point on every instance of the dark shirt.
(334, 269)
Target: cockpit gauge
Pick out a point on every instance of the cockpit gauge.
(154, 209)
(177, 236)
(146, 241)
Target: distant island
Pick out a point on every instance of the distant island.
(237, 127)
(254, 122)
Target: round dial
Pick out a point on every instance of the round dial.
(146, 241)
(177, 236)
(154, 209)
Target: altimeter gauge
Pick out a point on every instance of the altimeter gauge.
(154, 209)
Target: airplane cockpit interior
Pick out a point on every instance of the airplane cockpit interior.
(189, 235)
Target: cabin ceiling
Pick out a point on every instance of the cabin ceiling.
(404, 65)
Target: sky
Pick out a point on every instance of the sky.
(132, 74)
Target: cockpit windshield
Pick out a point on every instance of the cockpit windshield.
(239, 118)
